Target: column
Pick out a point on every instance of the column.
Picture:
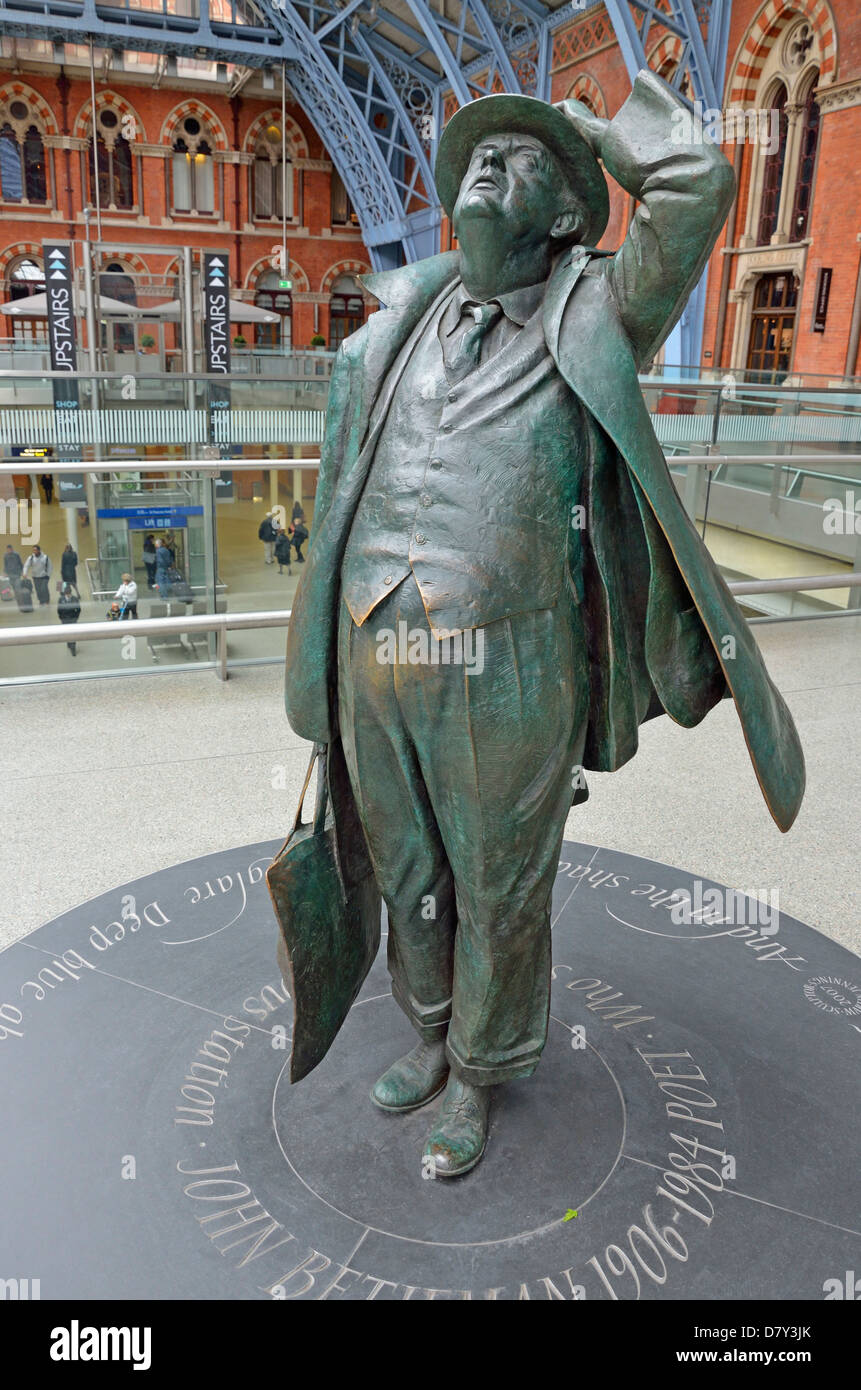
(72, 526)
(784, 232)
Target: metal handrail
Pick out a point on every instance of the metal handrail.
(797, 584)
(222, 623)
(219, 623)
(208, 468)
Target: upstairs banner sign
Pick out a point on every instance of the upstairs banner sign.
(216, 338)
(59, 281)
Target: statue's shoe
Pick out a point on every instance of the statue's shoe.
(412, 1080)
(458, 1139)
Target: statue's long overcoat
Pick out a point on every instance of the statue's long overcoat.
(665, 633)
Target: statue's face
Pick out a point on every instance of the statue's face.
(514, 182)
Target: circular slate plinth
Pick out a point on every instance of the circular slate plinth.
(694, 1106)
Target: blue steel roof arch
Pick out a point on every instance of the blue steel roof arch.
(703, 59)
(374, 76)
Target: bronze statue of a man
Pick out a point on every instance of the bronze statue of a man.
(490, 471)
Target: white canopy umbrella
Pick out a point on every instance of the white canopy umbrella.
(240, 312)
(35, 306)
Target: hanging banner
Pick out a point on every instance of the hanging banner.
(59, 277)
(823, 294)
(216, 341)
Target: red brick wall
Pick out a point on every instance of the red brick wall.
(313, 255)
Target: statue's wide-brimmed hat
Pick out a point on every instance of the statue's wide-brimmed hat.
(527, 116)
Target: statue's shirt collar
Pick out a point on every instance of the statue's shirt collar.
(517, 305)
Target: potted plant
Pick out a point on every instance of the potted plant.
(318, 341)
(147, 342)
(239, 341)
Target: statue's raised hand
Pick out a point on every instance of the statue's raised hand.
(591, 127)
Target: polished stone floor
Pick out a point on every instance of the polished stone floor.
(104, 781)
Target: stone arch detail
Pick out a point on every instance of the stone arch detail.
(261, 266)
(40, 112)
(764, 32)
(15, 252)
(83, 125)
(297, 144)
(342, 268)
(586, 89)
(170, 130)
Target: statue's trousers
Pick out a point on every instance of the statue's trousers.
(463, 775)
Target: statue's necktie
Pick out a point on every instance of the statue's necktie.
(467, 351)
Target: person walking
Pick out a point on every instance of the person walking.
(149, 559)
(69, 611)
(266, 533)
(69, 567)
(127, 597)
(47, 482)
(163, 564)
(300, 535)
(13, 565)
(283, 548)
(298, 513)
(39, 568)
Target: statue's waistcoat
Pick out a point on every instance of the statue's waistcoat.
(471, 486)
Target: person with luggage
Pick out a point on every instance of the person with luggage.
(266, 533)
(13, 565)
(300, 535)
(163, 564)
(69, 611)
(283, 548)
(69, 567)
(127, 597)
(149, 559)
(39, 568)
(179, 586)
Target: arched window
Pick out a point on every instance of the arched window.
(116, 283)
(114, 156)
(23, 176)
(806, 164)
(192, 170)
(25, 277)
(775, 304)
(343, 213)
(268, 175)
(772, 178)
(268, 296)
(346, 310)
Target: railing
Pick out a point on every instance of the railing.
(222, 623)
(219, 623)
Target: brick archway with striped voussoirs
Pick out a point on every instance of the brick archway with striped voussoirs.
(172, 128)
(587, 90)
(109, 101)
(297, 145)
(39, 112)
(765, 30)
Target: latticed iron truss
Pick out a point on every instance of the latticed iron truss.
(378, 78)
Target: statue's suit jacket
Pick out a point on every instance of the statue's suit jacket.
(665, 633)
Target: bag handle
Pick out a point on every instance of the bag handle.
(322, 797)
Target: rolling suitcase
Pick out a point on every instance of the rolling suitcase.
(24, 595)
(180, 589)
